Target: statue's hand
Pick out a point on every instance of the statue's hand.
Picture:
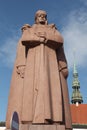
(42, 37)
(21, 71)
(65, 72)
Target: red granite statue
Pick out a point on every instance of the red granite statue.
(38, 91)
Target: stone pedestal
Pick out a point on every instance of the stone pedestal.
(41, 127)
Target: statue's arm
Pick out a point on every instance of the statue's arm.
(20, 59)
(58, 37)
(54, 38)
(62, 63)
(30, 37)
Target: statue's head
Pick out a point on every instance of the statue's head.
(41, 17)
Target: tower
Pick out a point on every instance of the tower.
(76, 95)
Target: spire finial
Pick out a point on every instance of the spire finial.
(76, 95)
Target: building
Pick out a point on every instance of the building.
(79, 116)
(78, 110)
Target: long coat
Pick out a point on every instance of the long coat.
(41, 95)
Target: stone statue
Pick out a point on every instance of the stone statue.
(38, 89)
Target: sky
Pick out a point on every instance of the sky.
(70, 17)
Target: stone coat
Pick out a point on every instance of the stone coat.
(41, 95)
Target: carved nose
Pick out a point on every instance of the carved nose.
(42, 16)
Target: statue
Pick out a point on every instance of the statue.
(38, 89)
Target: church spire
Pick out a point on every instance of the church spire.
(76, 95)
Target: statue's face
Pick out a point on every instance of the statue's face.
(41, 18)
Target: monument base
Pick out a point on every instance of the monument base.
(40, 127)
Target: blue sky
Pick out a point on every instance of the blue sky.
(70, 17)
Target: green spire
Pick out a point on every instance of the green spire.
(76, 95)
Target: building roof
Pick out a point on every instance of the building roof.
(79, 114)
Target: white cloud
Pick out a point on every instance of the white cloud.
(8, 51)
(75, 36)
